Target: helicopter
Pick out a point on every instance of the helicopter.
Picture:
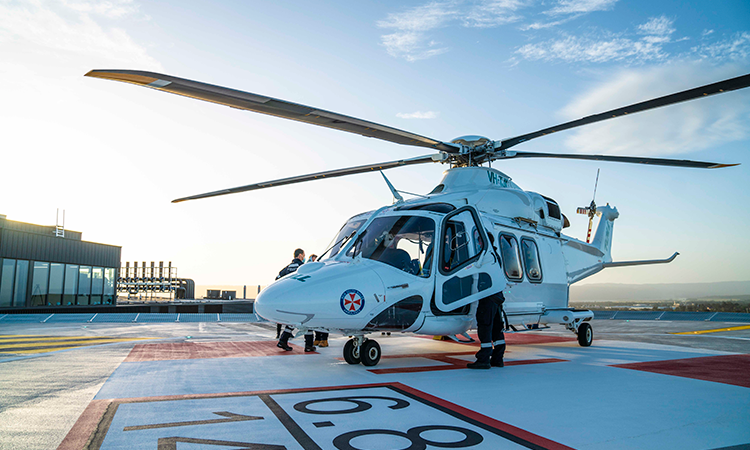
(421, 265)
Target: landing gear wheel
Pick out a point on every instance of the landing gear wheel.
(585, 335)
(351, 352)
(370, 353)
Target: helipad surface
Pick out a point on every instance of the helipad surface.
(226, 385)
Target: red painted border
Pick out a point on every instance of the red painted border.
(727, 369)
(85, 426)
(510, 429)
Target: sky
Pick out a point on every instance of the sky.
(114, 155)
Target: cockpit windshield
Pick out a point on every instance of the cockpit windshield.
(354, 224)
(404, 242)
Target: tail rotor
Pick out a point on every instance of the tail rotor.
(591, 209)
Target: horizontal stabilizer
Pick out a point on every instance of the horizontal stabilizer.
(640, 263)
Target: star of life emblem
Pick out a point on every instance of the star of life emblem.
(352, 301)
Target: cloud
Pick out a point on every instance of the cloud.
(605, 46)
(71, 27)
(411, 39)
(418, 115)
(112, 9)
(584, 49)
(580, 6)
(676, 129)
(489, 14)
(545, 25)
(658, 26)
(734, 48)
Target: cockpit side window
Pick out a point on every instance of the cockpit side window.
(461, 242)
(403, 242)
(340, 239)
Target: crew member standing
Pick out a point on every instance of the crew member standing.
(490, 331)
(299, 259)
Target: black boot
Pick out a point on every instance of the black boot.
(479, 365)
(283, 341)
(497, 356)
(483, 359)
(309, 347)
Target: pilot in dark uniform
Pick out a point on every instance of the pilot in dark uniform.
(299, 259)
(490, 331)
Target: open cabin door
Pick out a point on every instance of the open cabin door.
(466, 263)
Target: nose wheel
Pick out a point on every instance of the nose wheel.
(361, 350)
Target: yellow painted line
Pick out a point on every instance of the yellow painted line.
(65, 343)
(40, 350)
(744, 327)
(32, 347)
(53, 338)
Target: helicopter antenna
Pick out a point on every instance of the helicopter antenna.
(591, 209)
(397, 197)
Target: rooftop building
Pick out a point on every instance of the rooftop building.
(50, 266)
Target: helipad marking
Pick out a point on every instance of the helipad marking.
(201, 350)
(290, 418)
(717, 330)
(728, 369)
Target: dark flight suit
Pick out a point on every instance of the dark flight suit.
(289, 330)
(490, 331)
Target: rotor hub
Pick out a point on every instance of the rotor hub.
(471, 141)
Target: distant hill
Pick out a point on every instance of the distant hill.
(672, 291)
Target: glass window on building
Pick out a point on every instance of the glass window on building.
(109, 286)
(39, 283)
(22, 280)
(56, 278)
(97, 285)
(71, 284)
(84, 285)
(7, 275)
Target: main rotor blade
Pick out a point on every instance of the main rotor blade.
(703, 91)
(622, 159)
(271, 106)
(315, 176)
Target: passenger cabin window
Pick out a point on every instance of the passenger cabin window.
(462, 241)
(531, 260)
(511, 258)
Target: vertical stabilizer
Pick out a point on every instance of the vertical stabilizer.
(603, 237)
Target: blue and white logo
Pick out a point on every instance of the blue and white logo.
(352, 301)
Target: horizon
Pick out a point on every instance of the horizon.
(114, 155)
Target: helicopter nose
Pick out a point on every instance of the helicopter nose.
(273, 301)
(314, 295)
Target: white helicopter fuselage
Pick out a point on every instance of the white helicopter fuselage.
(436, 292)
